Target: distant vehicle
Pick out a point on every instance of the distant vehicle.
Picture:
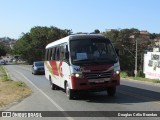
(2, 62)
(14, 60)
(38, 67)
(11, 60)
(76, 63)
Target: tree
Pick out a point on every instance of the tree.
(96, 31)
(125, 40)
(31, 46)
(113, 36)
(153, 35)
(3, 50)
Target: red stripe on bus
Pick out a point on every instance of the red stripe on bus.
(54, 67)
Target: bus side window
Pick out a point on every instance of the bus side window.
(62, 52)
(46, 54)
(57, 54)
(53, 53)
(50, 54)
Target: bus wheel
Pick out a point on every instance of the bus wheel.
(69, 92)
(111, 91)
(53, 86)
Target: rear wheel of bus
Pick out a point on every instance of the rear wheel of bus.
(69, 92)
(111, 91)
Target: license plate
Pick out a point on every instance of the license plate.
(99, 81)
(96, 80)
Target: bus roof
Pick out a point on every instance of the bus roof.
(73, 37)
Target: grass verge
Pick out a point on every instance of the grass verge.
(11, 91)
(124, 75)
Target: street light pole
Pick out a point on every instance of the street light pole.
(135, 71)
(136, 50)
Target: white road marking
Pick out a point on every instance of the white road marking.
(52, 101)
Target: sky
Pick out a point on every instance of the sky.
(19, 16)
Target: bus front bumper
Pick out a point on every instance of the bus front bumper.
(97, 84)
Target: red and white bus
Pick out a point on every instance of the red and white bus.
(82, 62)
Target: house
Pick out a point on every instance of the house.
(151, 67)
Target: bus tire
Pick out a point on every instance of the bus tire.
(52, 85)
(111, 91)
(69, 92)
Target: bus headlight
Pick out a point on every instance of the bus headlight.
(117, 72)
(77, 75)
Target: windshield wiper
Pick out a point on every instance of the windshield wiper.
(76, 60)
(113, 60)
(86, 61)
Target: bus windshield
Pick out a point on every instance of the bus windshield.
(92, 51)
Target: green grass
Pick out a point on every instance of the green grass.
(3, 74)
(4, 78)
(124, 75)
(20, 84)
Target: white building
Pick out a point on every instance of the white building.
(152, 64)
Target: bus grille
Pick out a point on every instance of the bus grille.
(98, 75)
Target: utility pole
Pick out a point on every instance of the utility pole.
(135, 71)
(137, 38)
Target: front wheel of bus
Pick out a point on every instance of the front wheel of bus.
(69, 92)
(111, 91)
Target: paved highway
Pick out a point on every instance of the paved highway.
(130, 96)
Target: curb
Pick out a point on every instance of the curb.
(142, 82)
(6, 72)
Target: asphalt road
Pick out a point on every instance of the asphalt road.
(130, 96)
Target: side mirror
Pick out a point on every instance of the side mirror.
(117, 51)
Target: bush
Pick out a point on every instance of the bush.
(140, 74)
(124, 74)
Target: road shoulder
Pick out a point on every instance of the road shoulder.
(141, 82)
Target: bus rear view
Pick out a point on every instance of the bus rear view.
(93, 65)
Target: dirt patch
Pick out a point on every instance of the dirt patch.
(11, 91)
